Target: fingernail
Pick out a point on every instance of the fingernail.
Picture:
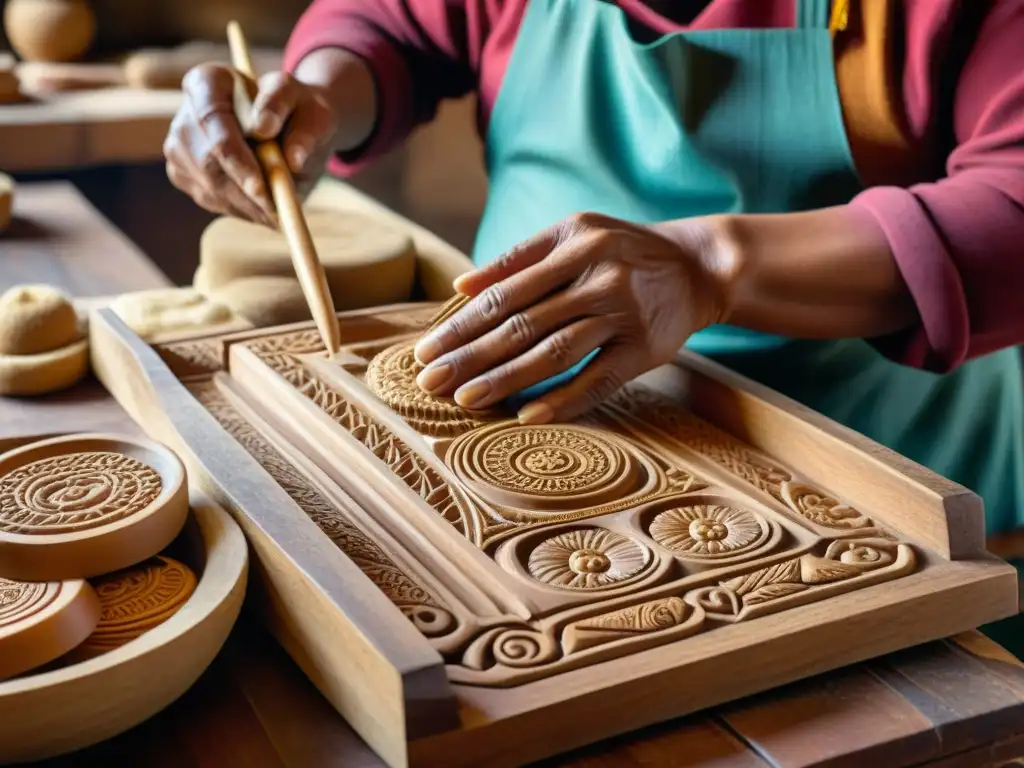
(265, 124)
(427, 350)
(253, 187)
(297, 158)
(435, 377)
(473, 393)
(535, 413)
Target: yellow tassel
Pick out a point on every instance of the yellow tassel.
(840, 16)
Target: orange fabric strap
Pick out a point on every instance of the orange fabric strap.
(868, 74)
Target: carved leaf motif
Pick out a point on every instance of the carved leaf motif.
(646, 617)
(771, 592)
(787, 572)
(370, 558)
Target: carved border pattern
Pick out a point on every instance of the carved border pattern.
(192, 358)
(278, 353)
(426, 611)
(517, 654)
(740, 460)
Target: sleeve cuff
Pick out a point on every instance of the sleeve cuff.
(387, 66)
(940, 340)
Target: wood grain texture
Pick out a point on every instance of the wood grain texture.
(86, 128)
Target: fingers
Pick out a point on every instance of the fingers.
(194, 169)
(495, 304)
(209, 90)
(599, 380)
(308, 122)
(519, 333)
(523, 255)
(555, 354)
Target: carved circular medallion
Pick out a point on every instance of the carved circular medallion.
(81, 506)
(75, 491)
(137, 600)
(587, 558)
(391, 376)
(21, 600)
(545, 467)
(42, 621)
(708, 531)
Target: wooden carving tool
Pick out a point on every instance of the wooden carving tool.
(308, 268)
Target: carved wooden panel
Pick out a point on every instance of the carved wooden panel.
(642, 554)
(636, 527)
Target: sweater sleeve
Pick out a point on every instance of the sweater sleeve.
(959, 241)
(418, 51)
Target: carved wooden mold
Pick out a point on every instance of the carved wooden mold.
(644, 542)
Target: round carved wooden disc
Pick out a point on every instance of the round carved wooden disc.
(41, 621)
(559, 467)
(391, 376)
(80, 506)
(135, 601)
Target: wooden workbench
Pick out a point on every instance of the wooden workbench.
(952, 704)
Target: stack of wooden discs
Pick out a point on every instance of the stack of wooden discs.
(83, 522)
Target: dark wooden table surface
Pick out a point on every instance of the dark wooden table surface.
(956, 704)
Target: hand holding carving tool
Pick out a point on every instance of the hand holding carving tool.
(308, 268)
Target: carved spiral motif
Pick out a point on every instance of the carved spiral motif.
(860, 554)
(432, 621)
(391, 376)
(709, 530)
(74, 492)
(524, 648)
(21, 600)
(820, 508)
(587, 558)
(717, 600)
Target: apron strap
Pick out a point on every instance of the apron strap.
(815, 14)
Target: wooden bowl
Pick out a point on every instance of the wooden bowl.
(83, 505)
(73, 707)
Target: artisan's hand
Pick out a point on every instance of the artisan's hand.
(208, 157)
(588, 282)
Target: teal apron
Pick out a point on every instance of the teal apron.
(741, 121)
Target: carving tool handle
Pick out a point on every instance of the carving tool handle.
(308, 268)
